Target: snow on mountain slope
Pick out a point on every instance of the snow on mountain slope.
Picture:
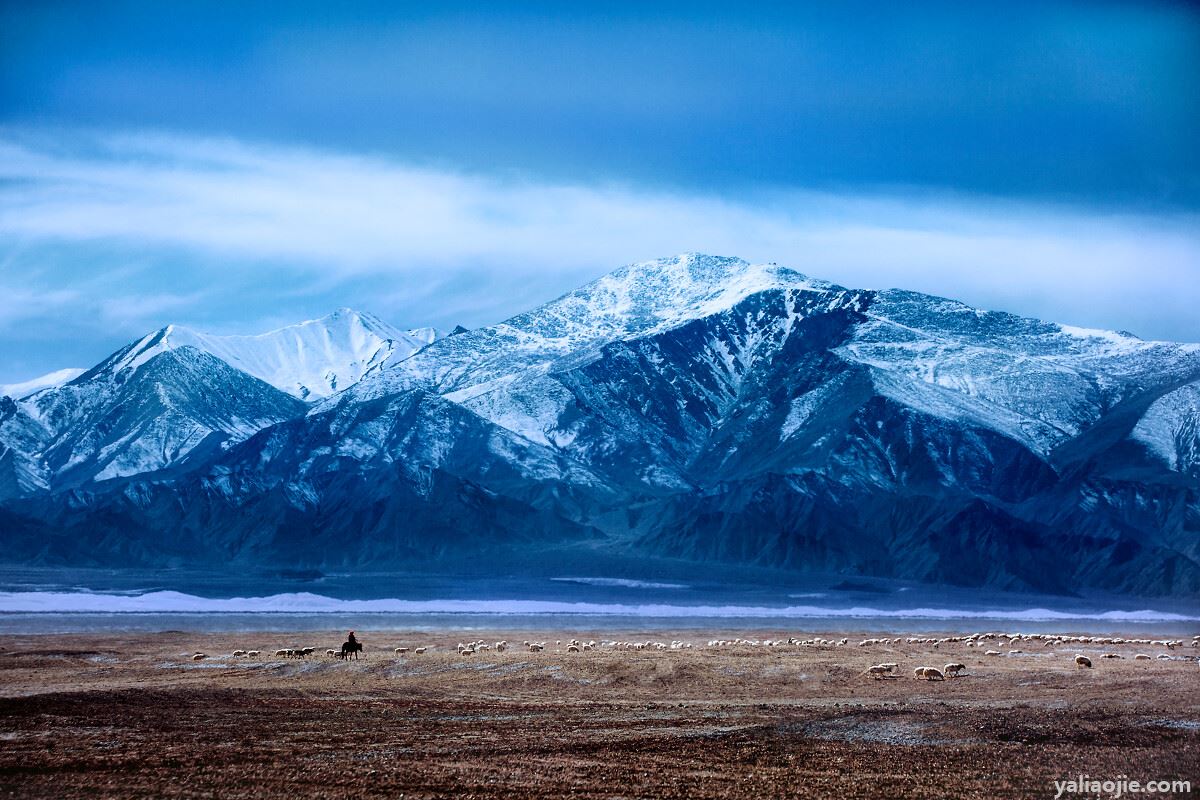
(310, 360)
(1170, 428)
(1038, 382)
(1059, 380)
(664, 395)
(26, 388)
(22, 439)
(139, 419)
(635, 300)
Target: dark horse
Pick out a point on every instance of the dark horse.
(350, 649)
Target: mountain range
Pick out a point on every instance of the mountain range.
(696, 408)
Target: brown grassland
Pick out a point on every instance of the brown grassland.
(131, 715)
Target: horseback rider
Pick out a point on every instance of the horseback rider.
(352, 647)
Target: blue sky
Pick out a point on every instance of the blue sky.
(240, 167)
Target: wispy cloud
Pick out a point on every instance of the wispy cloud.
(197, 212)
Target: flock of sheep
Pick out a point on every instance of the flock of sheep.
(880, 671)
(877, 671)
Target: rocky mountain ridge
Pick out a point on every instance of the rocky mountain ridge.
(695, 408)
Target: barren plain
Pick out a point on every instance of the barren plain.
(134, 715)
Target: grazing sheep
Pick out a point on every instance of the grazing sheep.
(929, 673)
(282, 652)
(952, 670)
(1141, 657)
(992, 653)
(535, 648)
(878, 671)
(1083, 661)
(199, 657)
(253, 653)
(401, 650)
(331, 652)
(1112, 655)
(420, 650)
(571, 648)
(239, 653)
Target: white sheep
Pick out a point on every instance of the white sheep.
(282, 652)
(401, 650)
(330, 651)
(253, 653)
(1141, 657)
(992, 653)
(1083, 661)
(199, 657)
(239, 653)
(420, 650)
(929, 673)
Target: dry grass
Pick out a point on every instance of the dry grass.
(133, 716)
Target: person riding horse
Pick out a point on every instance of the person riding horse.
(352, 647)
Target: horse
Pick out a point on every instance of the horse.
(350, 649)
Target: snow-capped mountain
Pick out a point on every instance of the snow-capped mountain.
(705, 409)
(635, 300)
(150, 405)
(133, 415)
(310, 360)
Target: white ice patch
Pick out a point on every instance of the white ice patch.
(626, 583)
(168, 602)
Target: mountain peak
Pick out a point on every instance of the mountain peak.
(665, 292)
(634, 300)
(309, 360)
